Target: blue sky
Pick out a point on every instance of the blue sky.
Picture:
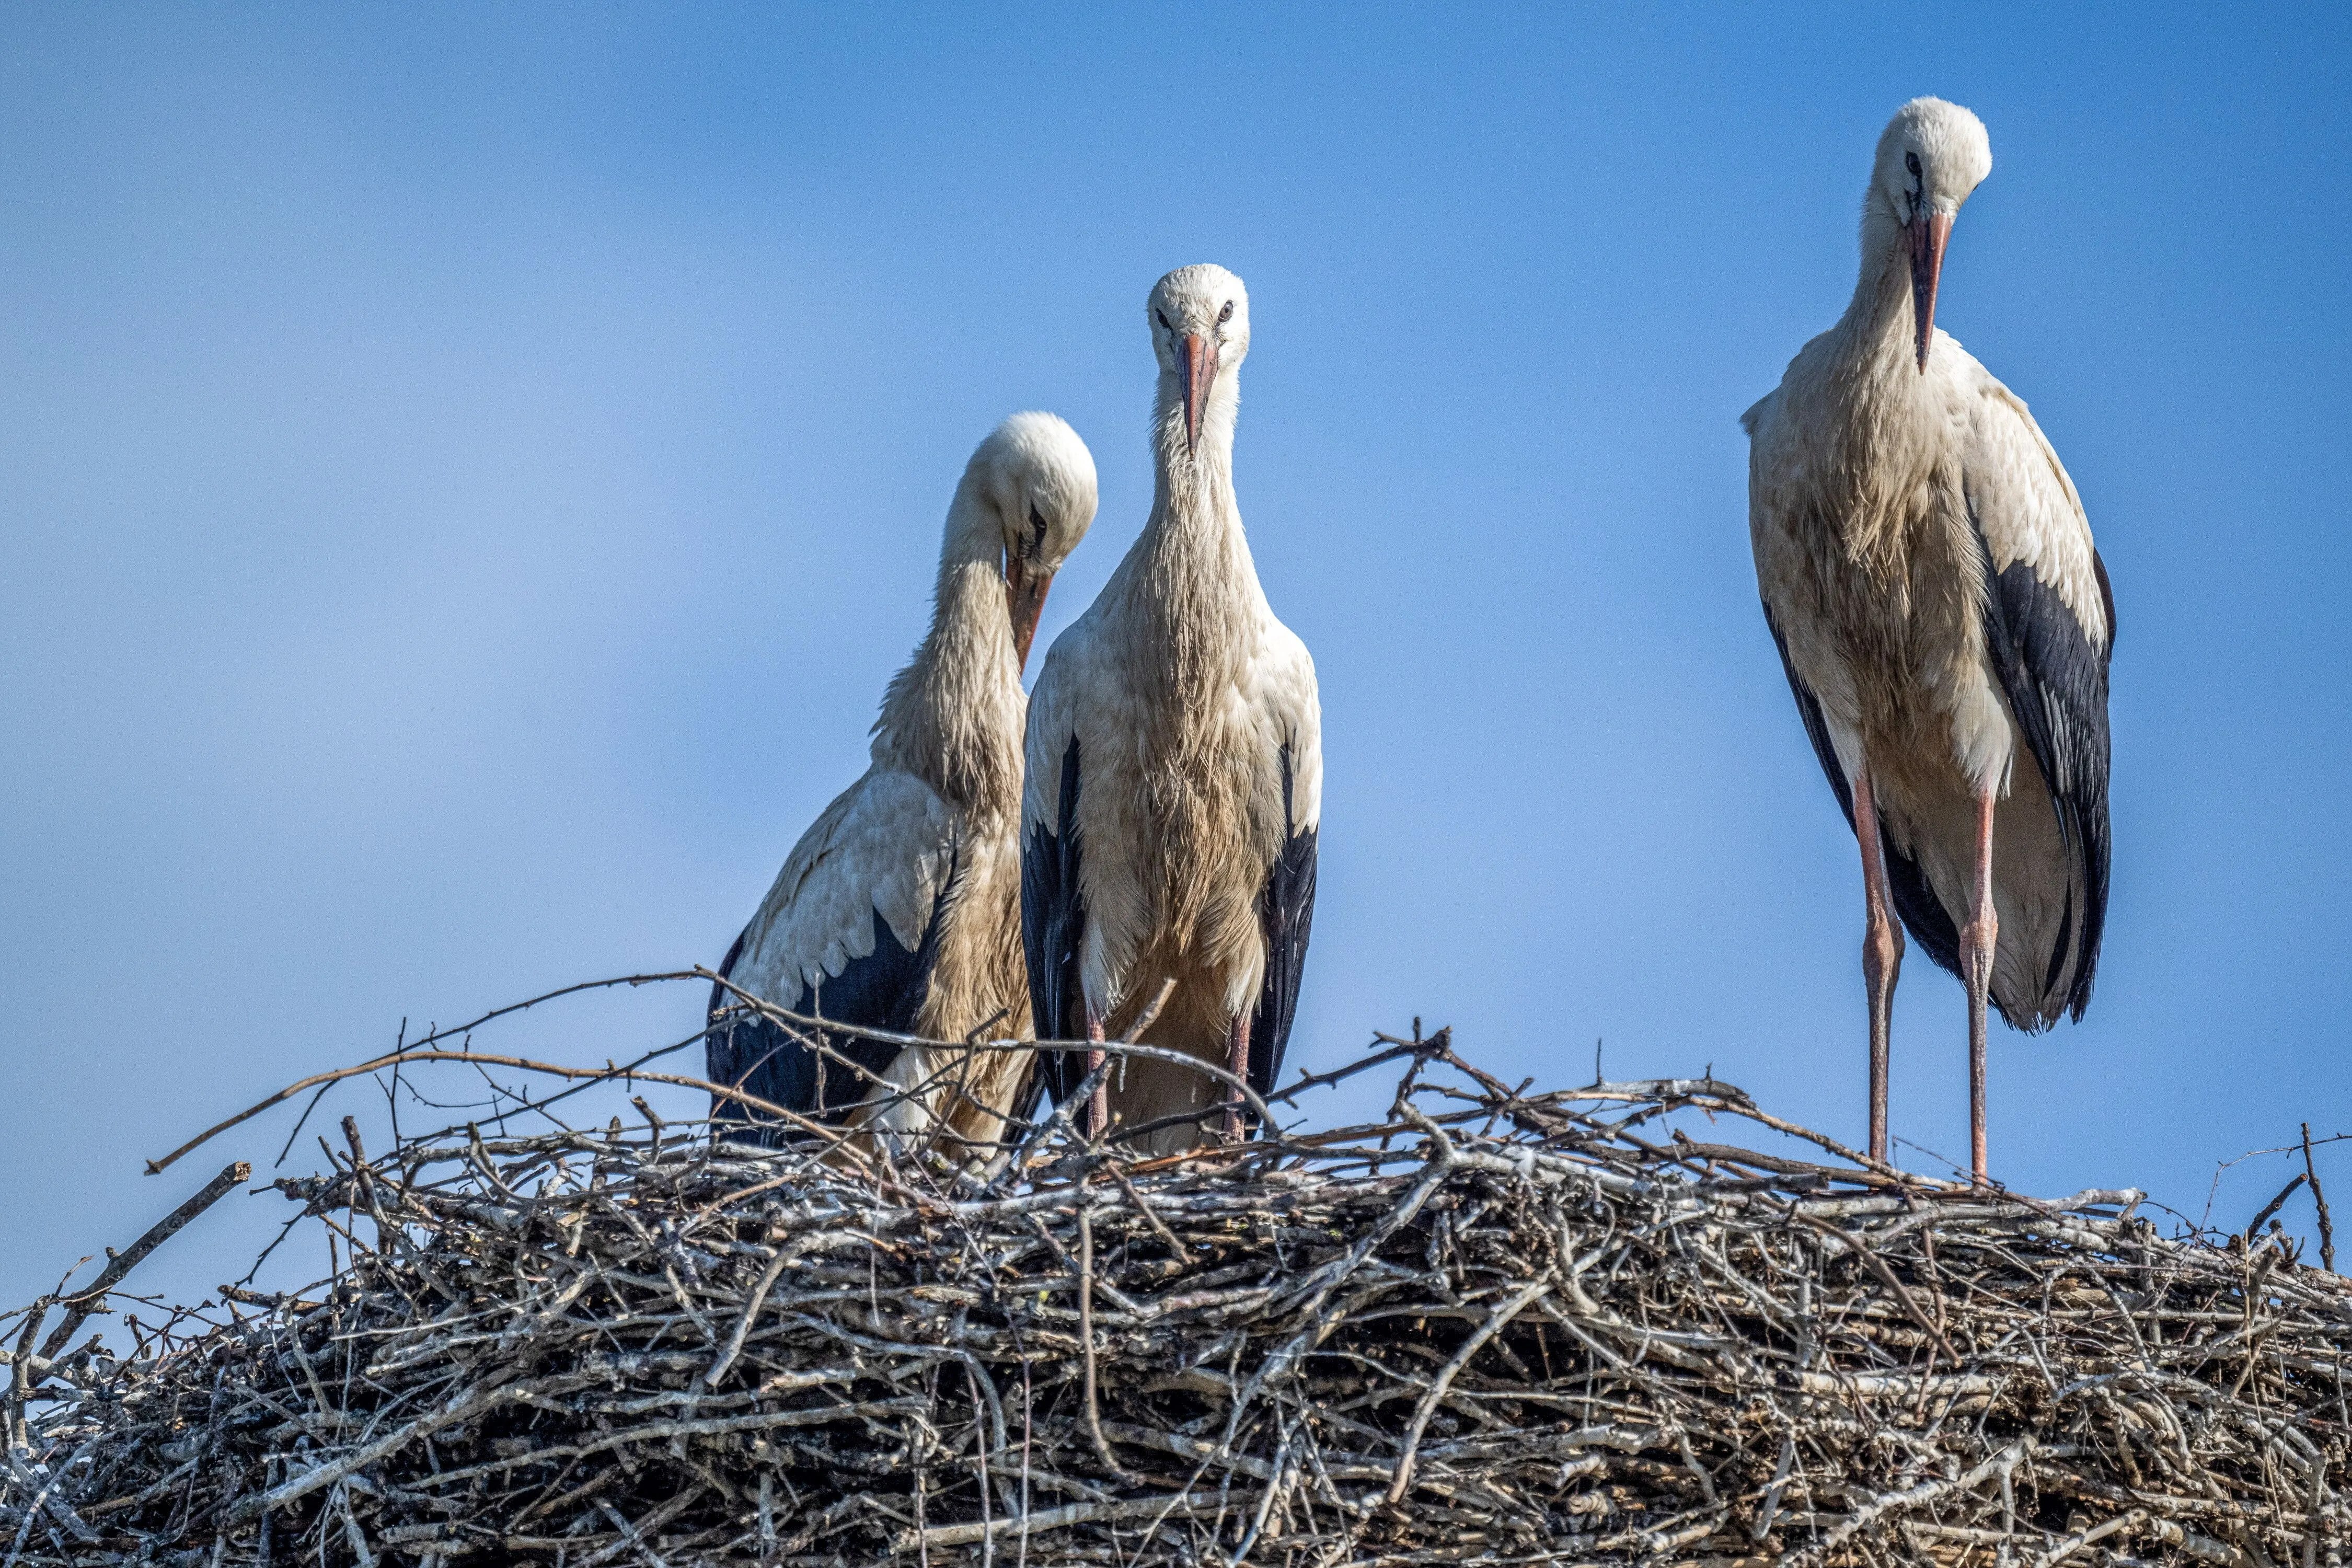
(466, 474)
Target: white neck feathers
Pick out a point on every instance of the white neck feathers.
(1190, 582)
(1877, 326)
(952, 717)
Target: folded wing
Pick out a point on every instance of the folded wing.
(1285, 916)
(2048, 629)
(850, 931)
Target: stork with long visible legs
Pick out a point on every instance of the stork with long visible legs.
(899, 908)
(1175, 773)
(1944, 622)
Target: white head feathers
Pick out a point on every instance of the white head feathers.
(1199, 318)
(1203, 298)
(1930, 157)
(1039, 479)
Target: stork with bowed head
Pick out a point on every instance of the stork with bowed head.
(1928, 575)
(899, 908)
(1175, 775)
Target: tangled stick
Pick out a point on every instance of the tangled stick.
(1491, 1325)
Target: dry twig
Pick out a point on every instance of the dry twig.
(1494, 1326)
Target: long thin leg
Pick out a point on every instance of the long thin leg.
(1882, 950)
(1979, 939)
(1098, 1109)
(1237, 1043)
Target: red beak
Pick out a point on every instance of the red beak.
(1926, 241)
(1196, 370)
(1024, 601)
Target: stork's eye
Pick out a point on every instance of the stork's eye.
(1036, 518)
(1226, 314)
(1911, 162)
(1163, 320)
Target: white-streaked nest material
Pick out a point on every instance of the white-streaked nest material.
(1493, 1326)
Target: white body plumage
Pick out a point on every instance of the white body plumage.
(1944, 622)
(899, 908)
(1882, 614)
(1190, 713)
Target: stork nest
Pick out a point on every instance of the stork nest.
(1494, 1327)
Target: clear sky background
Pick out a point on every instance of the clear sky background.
(466, 473)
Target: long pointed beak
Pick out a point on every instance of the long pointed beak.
(1024, 601)
(1926, 241)
(1198, 369)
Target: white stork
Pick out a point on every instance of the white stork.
(1175, 775)
(899, 908)
(1928, 575)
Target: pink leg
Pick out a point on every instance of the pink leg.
(1881, 951)
(1237, 1043)
(1979, 939)
(1100, 1109)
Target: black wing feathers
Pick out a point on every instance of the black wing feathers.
(1053, 927)
(2056, 683)
(717, 1052)
(1817, 729)
(884, 990)
(1915, 903)
(1053, 924)
(1286, 912)
(1923, 914)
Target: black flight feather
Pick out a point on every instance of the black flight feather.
(884, 990)
(1053, 926)
(2056, 683)
(1285, 910)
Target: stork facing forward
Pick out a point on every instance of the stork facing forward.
(899, 908)
(1175, 771)
(1946, 624)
